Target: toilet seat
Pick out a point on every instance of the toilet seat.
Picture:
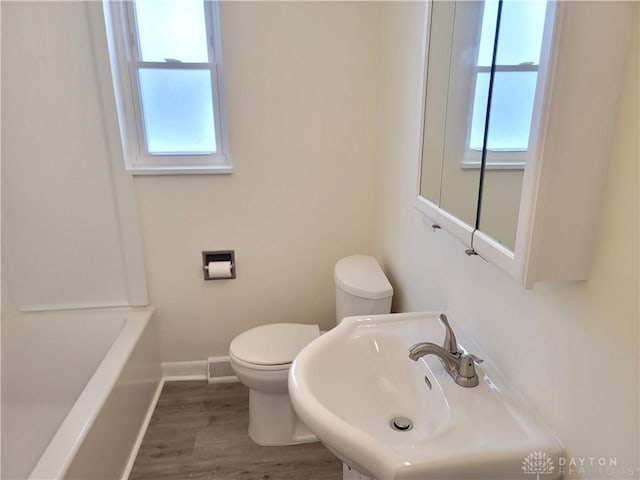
(254, 366)
(272, 347)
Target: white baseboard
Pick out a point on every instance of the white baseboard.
(143, 430)
(229, 379)
(192, 370)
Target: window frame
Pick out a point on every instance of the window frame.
(124, 53)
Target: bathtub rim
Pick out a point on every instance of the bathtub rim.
(63, 447)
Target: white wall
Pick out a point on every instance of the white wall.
(66, 240)
(570, 348)
(300, 94)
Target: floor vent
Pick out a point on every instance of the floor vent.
(219, 370)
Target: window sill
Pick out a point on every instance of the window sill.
(183, 170)
(496, 160)
(475, 165)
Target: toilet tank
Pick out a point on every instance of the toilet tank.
(361, 287)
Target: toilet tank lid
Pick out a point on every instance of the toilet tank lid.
(360, 275)
(273, 344)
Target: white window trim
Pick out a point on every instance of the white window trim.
(124, 62)
(496, 159)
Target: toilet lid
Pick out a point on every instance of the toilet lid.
(274, 344)
(361, 276)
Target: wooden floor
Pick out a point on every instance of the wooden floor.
(199, 431)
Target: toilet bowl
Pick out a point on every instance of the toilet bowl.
(262, 356)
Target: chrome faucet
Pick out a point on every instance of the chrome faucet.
(458, 364)
(450, 342)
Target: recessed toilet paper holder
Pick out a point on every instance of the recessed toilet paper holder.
(219, 256)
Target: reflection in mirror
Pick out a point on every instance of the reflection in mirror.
(454, 33)
(514, 95)
(476, 177)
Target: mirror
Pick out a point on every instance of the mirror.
(505, 164)
(482, 105)
(452, 47)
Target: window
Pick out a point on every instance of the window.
(518, 59)
(165, 56)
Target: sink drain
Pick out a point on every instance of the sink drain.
(401, 424)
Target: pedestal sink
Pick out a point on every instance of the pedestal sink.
(356, 388)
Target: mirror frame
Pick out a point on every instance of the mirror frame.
(516, 262)
(558, 226)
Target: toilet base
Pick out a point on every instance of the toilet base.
(273, 421)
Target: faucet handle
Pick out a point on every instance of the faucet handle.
(477, 360)
(450, 342)
(466, 374)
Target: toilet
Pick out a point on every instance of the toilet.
(261, 357)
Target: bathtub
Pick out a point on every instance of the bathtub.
(77, 388)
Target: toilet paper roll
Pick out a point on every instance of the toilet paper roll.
(219, 269)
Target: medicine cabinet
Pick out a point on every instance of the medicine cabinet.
(519, 108)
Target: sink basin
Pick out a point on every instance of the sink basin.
(349, 384)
